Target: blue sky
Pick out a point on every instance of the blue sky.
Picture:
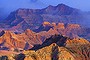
(13, 4)
(7, 6)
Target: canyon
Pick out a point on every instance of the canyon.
(51, 33)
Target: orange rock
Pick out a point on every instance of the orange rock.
(46, 23)
(61, 26)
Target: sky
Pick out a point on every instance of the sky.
(7, 6)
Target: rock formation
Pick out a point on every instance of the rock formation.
(26, 40)
(23, 19)
(75, 49)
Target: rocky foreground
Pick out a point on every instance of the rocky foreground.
(57, 47)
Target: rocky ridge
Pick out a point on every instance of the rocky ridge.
(23, 19)
(72, 49)
(10, 40)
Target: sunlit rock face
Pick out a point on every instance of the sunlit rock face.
(72, 49)
(26, 40)
(70, 30)
(57, 47)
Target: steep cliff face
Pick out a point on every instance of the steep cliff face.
(10, 40)
(57, 47)
(52, 52)
(26, 40)
(23, 41)
(75, 49)
(80, 48)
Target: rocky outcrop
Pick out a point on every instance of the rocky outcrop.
(73, 49)
(57, 47)
(52, 52)
(26, 40)
(70, 30)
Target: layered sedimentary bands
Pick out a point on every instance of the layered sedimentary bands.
(10, 40)
(44, 34)
(57, 47)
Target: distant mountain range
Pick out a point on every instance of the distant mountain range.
(23, 19)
